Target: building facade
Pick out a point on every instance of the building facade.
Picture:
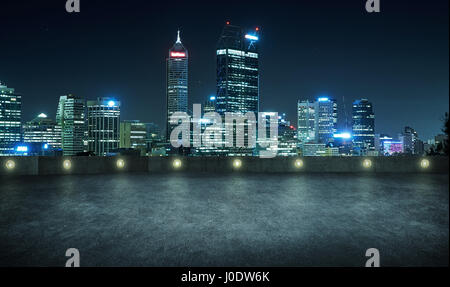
(43, 130)
(287, 137)
(177, 82)
(237, 80)
(10, 120)
(133, 134)
(306, 121)
(325, 119)
(209, 105)
(363, 127)
(71, 119)
(103, 126)
(237, 71)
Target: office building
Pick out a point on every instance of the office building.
(103, 126)
(306, 122)
(287, 137)
(10, 120)
(325, 119)
(133, 134)
(363, 127)
(238, 79)
(71, 118)
(237, 71)
(43, 130)
(209, 105)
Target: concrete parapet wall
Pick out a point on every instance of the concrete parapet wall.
(98, 165)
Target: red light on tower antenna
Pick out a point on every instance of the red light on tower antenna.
(257, 28)
(228, 22)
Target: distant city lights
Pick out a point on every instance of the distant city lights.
(212, 98)
(111, 104)
(342, 135)
(323, 99)
(251, 37)
(22, 148)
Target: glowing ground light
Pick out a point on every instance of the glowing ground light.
(367, 163)
(298, 163)
(120, 163)
(177, 163)
(424, 163)
(10, 164)
(67, 164)
(237, 163)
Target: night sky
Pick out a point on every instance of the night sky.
(398, 59)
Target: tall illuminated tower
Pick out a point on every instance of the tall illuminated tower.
(237, 77)
(177, 81)
(237, 71)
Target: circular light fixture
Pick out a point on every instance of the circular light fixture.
(176, 163)
(67, 164)
(367, 163)
(298, 163)
(237, 163)
(120, 163)
(10, 164)
(424, 163)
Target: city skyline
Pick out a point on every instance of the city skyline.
(394, 97)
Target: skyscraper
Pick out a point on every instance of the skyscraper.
(306, 121)
(363, 126)
(237, 71)
(10, 120)
(237, 79)
(325, 119)
(71, 117)
(177, 81)
(43, 130)
(103, 125)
